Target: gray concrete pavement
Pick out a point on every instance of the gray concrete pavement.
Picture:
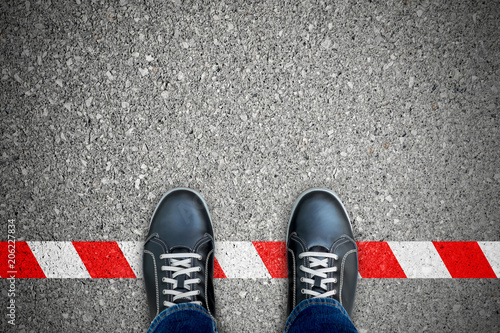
(260, 306)
(394, 105)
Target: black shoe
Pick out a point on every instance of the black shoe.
(322, 254)
(178, 258)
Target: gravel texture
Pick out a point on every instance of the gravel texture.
(392, 104)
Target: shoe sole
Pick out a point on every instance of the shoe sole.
(182, 189)
(315, 189)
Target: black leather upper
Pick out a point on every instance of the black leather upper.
(181, 223)
(319, 223)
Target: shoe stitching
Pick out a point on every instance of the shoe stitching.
(304, 249)
(201, 242)
(156, 281)
(198, 243)
(295, 237)
(164, 246)
(349, 238)
(335, 246)
(335, 243)
(342, 273)
(343, 238)
(158, 240)
(340, 241)
(206, 282)
(302, 244)
(294, 278)
(151, 236)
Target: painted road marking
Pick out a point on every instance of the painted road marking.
(104, 260)
(376, 261)
(240, 260)
(133, 253)
(419, 260)
(464, 260)
(26, 265)
(491, 251)
(59, 260)
(246, 260)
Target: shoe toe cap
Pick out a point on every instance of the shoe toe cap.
(319, 218)
(181, 218)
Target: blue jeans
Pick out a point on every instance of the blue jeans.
(316, 315)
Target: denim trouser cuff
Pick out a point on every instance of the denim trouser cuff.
(319, 315)
(185, 317)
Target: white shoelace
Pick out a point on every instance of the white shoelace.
(180, 264)
(322, 272)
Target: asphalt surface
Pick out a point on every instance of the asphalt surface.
(393, 105)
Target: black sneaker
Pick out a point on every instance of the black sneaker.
(178, 258)
(322, 254)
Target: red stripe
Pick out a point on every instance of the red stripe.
(376, 261)
(273, 254)
(104, 260)
(464, 260)
(218, 272)
(26, 266)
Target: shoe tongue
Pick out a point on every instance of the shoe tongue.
(318, 248)
(180, 249)
(183, 277)
(317, 279)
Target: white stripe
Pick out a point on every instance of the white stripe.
(133, 253)
(419, 260)
(58, 259)
(240, 260)
(491, 251)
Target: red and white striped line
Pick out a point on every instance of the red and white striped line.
(253, 260)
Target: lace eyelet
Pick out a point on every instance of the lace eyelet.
(200, 258)
(199, 269)
(199, 292)
(301, 267)
(335, 292)
(334, 280)
(163, 280)
(199, 280)
(301, 279)
(164, 291)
